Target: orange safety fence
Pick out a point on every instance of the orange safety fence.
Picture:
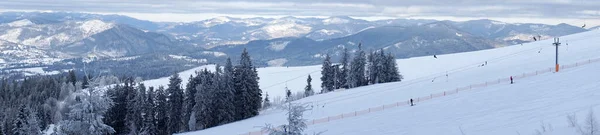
(435, 95)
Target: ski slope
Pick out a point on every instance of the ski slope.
(498, 109)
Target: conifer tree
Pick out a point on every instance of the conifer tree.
(308, 90)
(175, 103)
(327, 77)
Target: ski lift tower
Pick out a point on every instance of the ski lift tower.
(556, 43)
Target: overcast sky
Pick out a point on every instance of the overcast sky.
(576, 12)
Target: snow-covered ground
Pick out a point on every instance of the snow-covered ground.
(498, 109)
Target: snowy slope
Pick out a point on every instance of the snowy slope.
(498, 109)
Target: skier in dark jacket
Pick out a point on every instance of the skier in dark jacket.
(411, 102)
(511, 80)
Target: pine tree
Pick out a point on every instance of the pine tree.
(222, 99)
(383, 67)
(392, 69)
(189, 98)
(288, 94)
(135, 110)
(116, 114)
(131, 118)
(343, 74)
(267, 102)
(308, 90)
(26, 122)
(356, 77)
(175, 103)
(227, 88)
(327, 77)
(161, 111)
(248, 94)
(336, 73)
(86, 114)
(72, 78)
(372, 71)
(86, 82)
(203, 108)
(149, 113)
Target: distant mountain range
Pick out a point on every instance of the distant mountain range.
(44, 39)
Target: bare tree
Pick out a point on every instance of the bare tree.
(591, 125)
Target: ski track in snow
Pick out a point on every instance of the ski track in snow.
(496, 110)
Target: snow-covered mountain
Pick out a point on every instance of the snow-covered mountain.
(228, 31)
(82, 38)
(235, 31)
(515, 33)
(48, 35)
(410, 41)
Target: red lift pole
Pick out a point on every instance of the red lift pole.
(556, 43)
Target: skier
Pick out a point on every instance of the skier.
(434, 56)
(534, 39)
(411, 102)
(486, 63)
(511, 80)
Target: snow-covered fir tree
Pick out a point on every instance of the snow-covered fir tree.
(135, 111)
(327, 78)
(341, 77)
(267, 102)
(161, 111)
(392, 69)
(247, 92)
(149, 113)
(86, 114)
(26, 122)
(189, 99)
(223, 98)
(204, 101)
(228, 92)
(288, 94)
(372, 67)
(308, 90)
(116, 114)
(175, 104)
(356, 75)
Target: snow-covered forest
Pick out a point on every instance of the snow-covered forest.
(66, 104)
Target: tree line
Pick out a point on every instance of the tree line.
(362, 70)
(210, 98)
(71, 106)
